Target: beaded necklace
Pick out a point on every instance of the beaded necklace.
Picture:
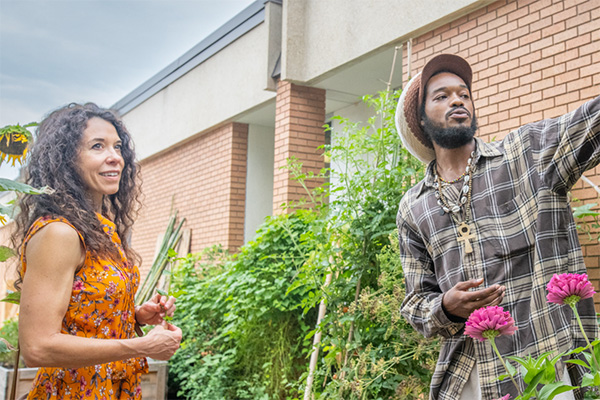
(464, 201)
(454, 180)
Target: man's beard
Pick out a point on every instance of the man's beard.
(449, 138)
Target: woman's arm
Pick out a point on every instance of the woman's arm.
(53, 255)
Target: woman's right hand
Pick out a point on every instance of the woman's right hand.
(162, 341)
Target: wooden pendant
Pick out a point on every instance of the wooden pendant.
(464, 234)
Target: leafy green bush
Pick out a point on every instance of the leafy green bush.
(249, 321)
(10, 333)
(387, 358)
(369, 351)
(242, 333)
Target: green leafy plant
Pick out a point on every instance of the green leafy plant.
(588, 222)
(9, 338)
(539, 373)
(249, 320)
(242, 333)
(14, 142)
(369, 351)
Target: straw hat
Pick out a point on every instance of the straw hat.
(408, 115)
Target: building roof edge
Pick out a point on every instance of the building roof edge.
(243, 22)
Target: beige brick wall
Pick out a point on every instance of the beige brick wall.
(299, 119)
(532, 59)
(205, 179)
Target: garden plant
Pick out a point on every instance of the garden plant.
(539, 373)
(249, 320)
(14, 142)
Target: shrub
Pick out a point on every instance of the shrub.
(249, 321)
(242, 333)
(10, 333)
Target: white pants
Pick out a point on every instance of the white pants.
(472, 389)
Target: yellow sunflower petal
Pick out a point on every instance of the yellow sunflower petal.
(14, 140)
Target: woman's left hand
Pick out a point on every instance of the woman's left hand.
(154, 310)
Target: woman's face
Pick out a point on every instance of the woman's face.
(100, 162)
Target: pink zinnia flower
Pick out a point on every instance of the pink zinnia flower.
(489, 322)
(569, 288)
(505, 397)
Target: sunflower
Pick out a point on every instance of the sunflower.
(14, 140)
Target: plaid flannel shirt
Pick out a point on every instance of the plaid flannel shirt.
(525, 233)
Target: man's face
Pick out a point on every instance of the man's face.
(449, 118)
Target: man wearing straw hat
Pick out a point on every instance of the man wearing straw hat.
(489, 225)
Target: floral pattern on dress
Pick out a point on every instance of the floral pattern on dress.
(102, 306)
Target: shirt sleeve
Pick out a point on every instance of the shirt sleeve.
(567, 146)
(422, 306)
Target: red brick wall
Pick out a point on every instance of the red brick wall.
(532, 59)
(299, 119)
(205, 179)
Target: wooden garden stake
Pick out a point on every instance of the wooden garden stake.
(316, 341)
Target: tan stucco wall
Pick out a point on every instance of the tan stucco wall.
(320, 36)
(227, 84)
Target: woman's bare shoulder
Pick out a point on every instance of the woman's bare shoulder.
(57, 240)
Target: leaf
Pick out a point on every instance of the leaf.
(5, 346)
(520, 360)
(13, 298)
(529, 370)
(590, 380)
(531, 387)
(501, 377)
(549, 373)
(526, 396)
(10, 185)
(556, 358)
(541, 359)
(585, 211)
(576, 351)
(6, 253)
(578, 362)
(6, 210)
(511, 370)
(549, 391)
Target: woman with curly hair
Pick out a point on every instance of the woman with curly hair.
(78, 276)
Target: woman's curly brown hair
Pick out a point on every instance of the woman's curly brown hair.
(52, 162)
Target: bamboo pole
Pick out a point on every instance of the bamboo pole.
(589, 182)
(171, 239)
(316, 341)
(409, 58)
(13, 385)
(160, 248)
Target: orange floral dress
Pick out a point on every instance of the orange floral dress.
(102, 306)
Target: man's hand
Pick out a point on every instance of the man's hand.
(459, 302)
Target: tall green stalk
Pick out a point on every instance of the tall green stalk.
(574, 308)
(504, 364)
(171, 238)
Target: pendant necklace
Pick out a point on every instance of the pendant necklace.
(462, 207)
